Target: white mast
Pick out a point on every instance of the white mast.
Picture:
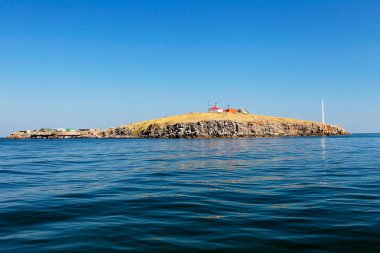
(323, 112)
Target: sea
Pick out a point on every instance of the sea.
(292, 194)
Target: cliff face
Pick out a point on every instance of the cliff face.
(230, 129)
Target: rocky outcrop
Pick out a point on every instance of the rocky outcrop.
(230, 129)
(117, 132)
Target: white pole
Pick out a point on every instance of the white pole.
(323, 112)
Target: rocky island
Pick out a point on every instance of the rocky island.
(197, 125)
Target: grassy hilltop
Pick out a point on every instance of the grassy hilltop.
(195, 117)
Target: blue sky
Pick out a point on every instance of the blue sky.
(87, 64)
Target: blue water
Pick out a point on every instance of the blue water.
(309, 194)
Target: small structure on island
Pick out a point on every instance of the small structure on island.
(215, 108)
(45, 130)
(243, 111)
(230, 109)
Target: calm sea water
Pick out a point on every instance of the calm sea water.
(310, 194)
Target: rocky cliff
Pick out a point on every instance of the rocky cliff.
(230, 129)
(227, 125)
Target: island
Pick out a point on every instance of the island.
(222, 124)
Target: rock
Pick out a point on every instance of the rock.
(230, 129)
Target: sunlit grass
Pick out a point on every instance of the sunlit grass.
(207, 116)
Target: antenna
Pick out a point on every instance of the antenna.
(323, 112)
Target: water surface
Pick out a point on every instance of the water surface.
(310, 194)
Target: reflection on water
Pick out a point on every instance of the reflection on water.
(324, 161)
(310, 194)
(323, 146)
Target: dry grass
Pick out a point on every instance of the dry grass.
(207, 116)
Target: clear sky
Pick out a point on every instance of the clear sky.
(97, 64)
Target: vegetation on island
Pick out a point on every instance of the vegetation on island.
(195, 117)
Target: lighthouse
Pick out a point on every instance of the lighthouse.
(215, 108)
(323, 112)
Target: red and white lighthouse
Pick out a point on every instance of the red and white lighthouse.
(215, 108)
